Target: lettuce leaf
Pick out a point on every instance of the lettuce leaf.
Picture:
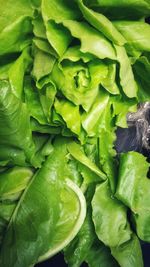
(61, 196)
(70, 72)
(137, 196)
(15, 124)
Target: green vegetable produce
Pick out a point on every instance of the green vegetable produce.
(70, 71)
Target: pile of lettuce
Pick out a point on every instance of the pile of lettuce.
(70, 71)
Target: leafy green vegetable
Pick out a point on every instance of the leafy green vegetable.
(129, 254)
(115, 9)
(126, 75)
(135, 33)
(101, 23)
(14, 11)
(110, 217)
(60, 197)
(48, 60)
(99, 254)
(77, 251)
(70, 71)
(14, 124)
(142, 70)
(16, 37)
(17, 72)
(90, 120)
(85, 247)
(70, 114)
(137, 196)
(13, 182)
(6, 210)
(92, 41)
(78, 154)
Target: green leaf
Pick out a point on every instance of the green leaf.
(85, 247)
(142, 71)
(121, 107)
(76, 252)
(90, 120)
(32, 98)
(47, 96)
(70, 113)
(6, 211)
(102, 24)
(109, 83)
(53, 13)
(109, 217)
(14, 123)
(127, 80)
(79, 248)
(10, 155)
(99, 255)
(17, 36)
(39, 28)
(13, 181)
(45, 129)
(78, 83)
(43, 147)
(76, 151)
(129, 254)
(44, 46)
(106, 131)
(58, 37)
(92, 41)
(136, 33)
(75, 175)
(74, 54)
(67, 227)
(17, 72)
(88, 175)
(61, 211)
(70, 72)
(4, 69)
(41, 70)
(59, 10)
(14, 10)
(134, 167)
(115, 9)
